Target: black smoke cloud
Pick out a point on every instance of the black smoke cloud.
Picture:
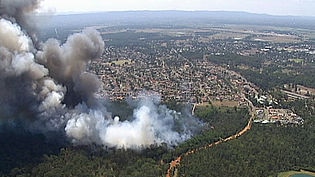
(47, 89)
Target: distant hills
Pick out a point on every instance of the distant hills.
(173, 19)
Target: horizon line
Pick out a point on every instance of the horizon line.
(117, 11)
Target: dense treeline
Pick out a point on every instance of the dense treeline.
(264, 150)
(83, 162)
(274, 77)
(133, 38)
(220, 122)
(268, 76)
(20, 148)
(153, 161)
(234, 60)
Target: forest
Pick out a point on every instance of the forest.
(268, 77)
(264, 151)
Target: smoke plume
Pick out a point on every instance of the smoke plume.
(48, 89)
(18, 11)
(152, 123)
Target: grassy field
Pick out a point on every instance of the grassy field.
(296, 60)
(291, 173)
(121, 62)
(225, 103)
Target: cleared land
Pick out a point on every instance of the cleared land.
(291, 173)
(223, 103)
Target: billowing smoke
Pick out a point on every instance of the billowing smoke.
(67, 64)
(18, 11)
(152, 123)
(48, 89)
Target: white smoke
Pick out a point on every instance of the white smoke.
(49, 90)
(151, 124)
(15, 39)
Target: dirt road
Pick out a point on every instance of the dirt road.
(175, 163)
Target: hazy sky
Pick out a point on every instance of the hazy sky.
(275, 7)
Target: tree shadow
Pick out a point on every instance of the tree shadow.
(21, 149)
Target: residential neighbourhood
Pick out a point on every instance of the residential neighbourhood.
(187, 82)
(282, 116)
(176, 71)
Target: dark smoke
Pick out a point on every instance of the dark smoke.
(67, 64)
(18, 11)
(48, 89)
(38, 85)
